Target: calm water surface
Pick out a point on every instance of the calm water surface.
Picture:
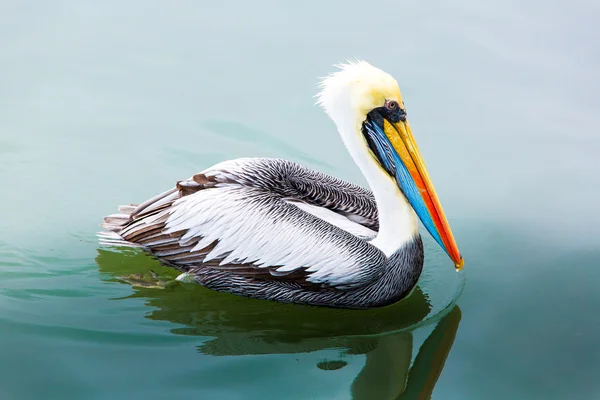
(104, 103)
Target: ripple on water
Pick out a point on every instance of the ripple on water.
(63, 306)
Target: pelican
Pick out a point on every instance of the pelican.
(272, 229)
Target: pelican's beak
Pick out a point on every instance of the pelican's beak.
(413, 179)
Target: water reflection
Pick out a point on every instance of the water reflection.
(234, 325)
(387, 373)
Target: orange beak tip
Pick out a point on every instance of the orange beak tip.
(459, 265)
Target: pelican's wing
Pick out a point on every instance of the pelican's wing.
(343, 204)
(239, 219)
(354, 203)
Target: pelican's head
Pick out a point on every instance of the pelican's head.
(366, 105)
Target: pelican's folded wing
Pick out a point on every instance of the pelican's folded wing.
(216, 220)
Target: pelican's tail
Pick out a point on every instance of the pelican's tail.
(113, 224)
(131, 221)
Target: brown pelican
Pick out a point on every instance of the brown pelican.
(272, 229)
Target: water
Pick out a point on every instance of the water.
(112, 102)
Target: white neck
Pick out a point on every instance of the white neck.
(397, 221)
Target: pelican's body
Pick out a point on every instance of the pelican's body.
(273, 229)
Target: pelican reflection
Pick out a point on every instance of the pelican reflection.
(236, 326)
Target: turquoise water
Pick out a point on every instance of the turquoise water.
(108, 103)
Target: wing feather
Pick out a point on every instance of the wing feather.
(246, 218)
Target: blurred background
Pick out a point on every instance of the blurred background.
(107, 103)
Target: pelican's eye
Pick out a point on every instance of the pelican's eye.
(391, 105)
(392, 111)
